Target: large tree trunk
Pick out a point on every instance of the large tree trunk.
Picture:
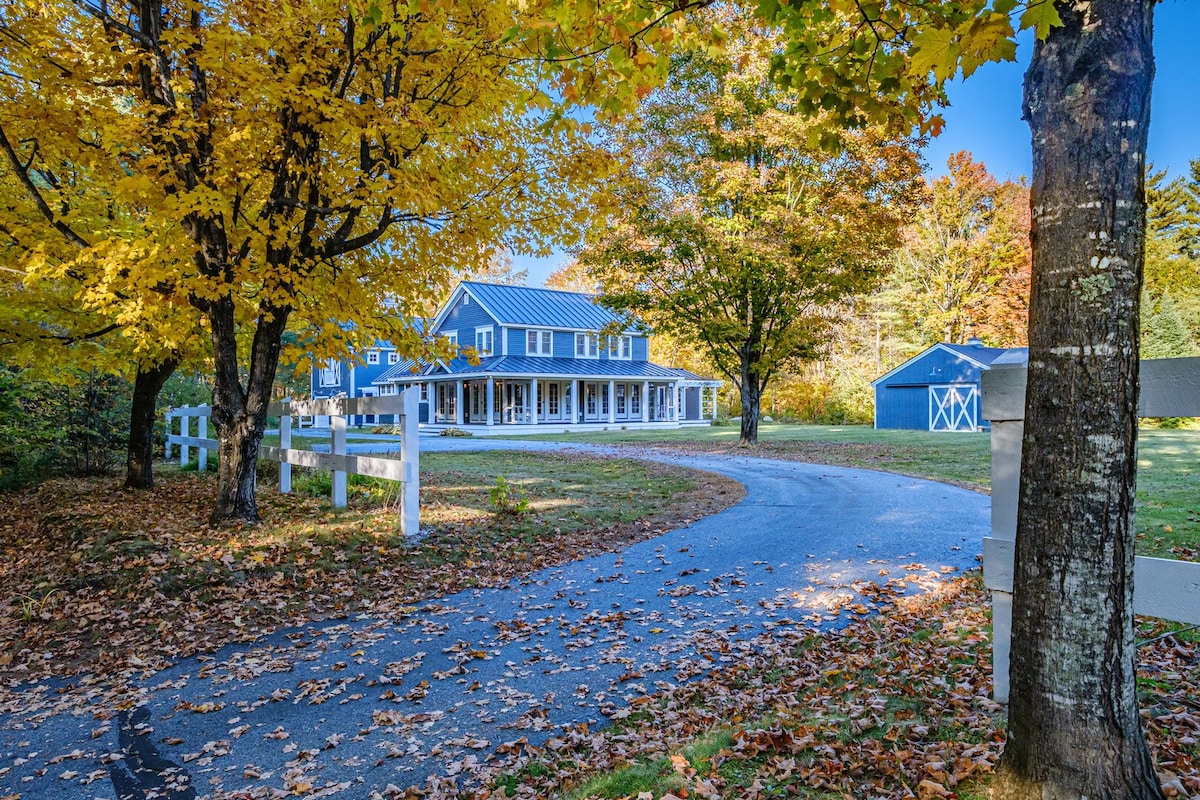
(139, 458)
(1074, 730)
(240, 414)
(751, 388)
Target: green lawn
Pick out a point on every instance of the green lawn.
(1168, 503)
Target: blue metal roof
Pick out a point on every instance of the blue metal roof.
(977, 352)
(405, 368)
(502, 366)
(543, 308)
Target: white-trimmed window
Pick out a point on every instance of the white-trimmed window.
(393, 358)
(452, 338)
(485, 339)
(587, 345)
(539, 343)
(331, 373)
(372, 356)
(388, 389)
(620, 347)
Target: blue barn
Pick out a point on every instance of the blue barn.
(937, 390)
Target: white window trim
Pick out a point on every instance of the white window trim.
(538, 335)
(372, 356)
(452, 337)
(330, 374)
(490, 330)
(620, 348)
(591, 347)
(393, 358)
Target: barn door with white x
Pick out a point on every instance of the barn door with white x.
(952, 408)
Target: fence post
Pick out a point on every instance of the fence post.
(1003, 402)
(285, 444)
(410, 521)
(337, 431)
(184, 455)
(202, 425)
(167, 447)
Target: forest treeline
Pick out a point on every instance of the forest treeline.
(962, 271)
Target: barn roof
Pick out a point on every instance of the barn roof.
(977, 354)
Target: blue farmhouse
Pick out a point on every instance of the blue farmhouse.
(937, 390)
(544, 357)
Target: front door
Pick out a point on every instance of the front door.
(591, 402)
(514, 402)
(953, 408)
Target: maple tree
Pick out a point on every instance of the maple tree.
(1074, 729)
(964, 267)
(739, 236)
(281, 164)
(572, 277)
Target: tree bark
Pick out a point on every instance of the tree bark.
(751, 389)
(1074, 730)
(240, 414)
(139, 459)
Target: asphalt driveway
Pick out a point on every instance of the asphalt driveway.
(350, 707)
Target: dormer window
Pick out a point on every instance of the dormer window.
(620, 347)
(587, 345)
(372, 356)
(539, 343)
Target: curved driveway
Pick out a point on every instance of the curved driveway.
(356, 705)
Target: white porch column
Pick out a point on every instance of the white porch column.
(533, 401)
(673, 398)
(458, 401)
(491, 400)
(645, 401)
(578, 412)
(612, 402)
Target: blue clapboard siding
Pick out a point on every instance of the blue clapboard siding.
(463, 319)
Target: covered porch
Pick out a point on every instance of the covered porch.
(529, 401)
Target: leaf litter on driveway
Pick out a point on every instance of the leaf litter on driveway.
(436, 694)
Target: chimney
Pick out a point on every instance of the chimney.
(974, 341)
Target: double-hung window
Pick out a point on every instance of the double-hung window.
(587, 345)
(539, 343)
(484, 340)
(393, 358)
(372, 356)
(620, 347)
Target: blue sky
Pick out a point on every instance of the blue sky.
(984, 116)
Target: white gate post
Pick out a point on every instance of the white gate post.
(1003, 402)
(202, 454)
(167, 448)
(183, 431)
(337, 431)
(410, 522)
(285, 443)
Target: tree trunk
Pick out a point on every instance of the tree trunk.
(1074, 730)
(240, 414)
(751, 389)
(139, 459)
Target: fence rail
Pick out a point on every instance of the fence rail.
(405, 470)
(1163, 588)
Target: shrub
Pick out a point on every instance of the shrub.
(507, 498)
(456, 433)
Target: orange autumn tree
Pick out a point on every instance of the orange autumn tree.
(964, 267)
(278, 164)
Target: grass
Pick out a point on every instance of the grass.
(84, 563)
(814, 716)
(1168, 499)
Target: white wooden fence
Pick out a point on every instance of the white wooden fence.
(405, 470)
(1163, 588)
